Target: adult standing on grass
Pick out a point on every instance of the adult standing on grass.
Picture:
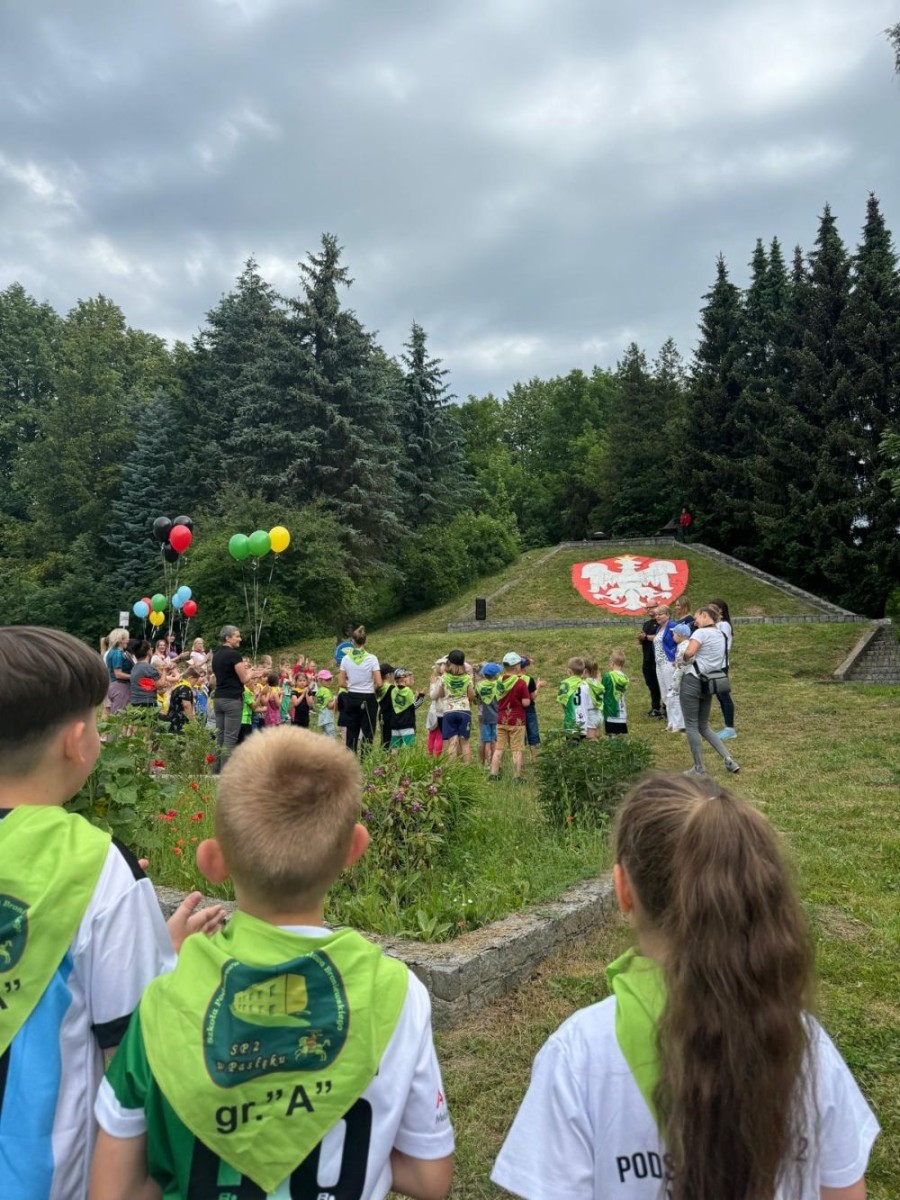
(683, 614)
(664, 651)
(231, 672)
(646, 634)
(360, 674)
(726, 700)
(119, 664)
(706, 652)
(512, 703)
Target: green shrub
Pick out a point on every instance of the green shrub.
(581, 781)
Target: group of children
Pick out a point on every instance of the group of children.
(276, 1057)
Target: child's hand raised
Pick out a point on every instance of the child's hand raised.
(189, 918)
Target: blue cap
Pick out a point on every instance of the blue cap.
(682, 630)
(491, 670)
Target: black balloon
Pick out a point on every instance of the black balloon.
(186, 521)
(170, 554)
(162, 527)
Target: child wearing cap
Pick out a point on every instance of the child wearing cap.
(486, 691)
(404, 702)
(458, 694)
(280, 1057)
(512, 701)
(324, 703)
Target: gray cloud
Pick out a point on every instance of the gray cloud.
(535, 181)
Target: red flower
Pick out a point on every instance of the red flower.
(195, 786)
(210, 758)
(158, 762)
(172, 814)
(196, 816)
(176, 850)
(180, 842)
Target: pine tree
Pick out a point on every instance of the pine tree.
(433, 473)
(340, 383)
(717, 481)
(871, 327)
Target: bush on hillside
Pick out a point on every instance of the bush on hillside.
(581, 782)
(441, 560)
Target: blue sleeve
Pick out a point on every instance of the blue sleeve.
(669, 642)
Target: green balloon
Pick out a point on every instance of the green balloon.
(260, 543)
(239, 546)
(158, 603)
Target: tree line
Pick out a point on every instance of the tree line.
(778, 434)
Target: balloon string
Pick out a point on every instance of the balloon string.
(246, 596)
(266, 599)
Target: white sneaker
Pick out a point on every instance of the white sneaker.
(727, 732)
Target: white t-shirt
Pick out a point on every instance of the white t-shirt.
(585, 1132)
(359, 675)
(711, 655)
(407, 1100)
(55, 1062)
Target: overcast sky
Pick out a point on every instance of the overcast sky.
(537, 182)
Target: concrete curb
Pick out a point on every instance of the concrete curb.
(463, 975)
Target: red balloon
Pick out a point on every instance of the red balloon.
(180, 538)
(146, 600)
(189, 608)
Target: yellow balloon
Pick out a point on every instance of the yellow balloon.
(280, 539)
(157, 618)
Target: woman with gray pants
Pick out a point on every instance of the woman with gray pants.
(706, 651)
(230, 672)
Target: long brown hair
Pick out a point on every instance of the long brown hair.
(713, 885)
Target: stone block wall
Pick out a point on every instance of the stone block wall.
(874, 659)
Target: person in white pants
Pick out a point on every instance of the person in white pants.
(664, 655)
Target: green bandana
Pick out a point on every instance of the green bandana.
(505, 684)
(639, 987)
(486, 691)
(51, 863)
(256, 1021)
(614, 684)
(567, 689)
(357, 654)
(456, 687)
(402, 698)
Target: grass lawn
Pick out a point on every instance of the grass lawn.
(823, 762)
(546, 589)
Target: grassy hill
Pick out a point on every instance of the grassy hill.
(542, 588)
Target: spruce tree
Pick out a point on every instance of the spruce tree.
(716, 477)
(337, 378)
(824, 502)
(433, 473)
(871, 328)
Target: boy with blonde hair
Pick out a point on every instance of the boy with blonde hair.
(615, 682)
(280, 1057)
(81, 933)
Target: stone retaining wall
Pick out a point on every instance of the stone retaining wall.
(620, 622)
(874, 659)
(464, 974)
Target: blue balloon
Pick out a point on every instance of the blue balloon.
(177, 601)
(140, 609)
(186, 592)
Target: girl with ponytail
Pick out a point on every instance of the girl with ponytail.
(702, 1077)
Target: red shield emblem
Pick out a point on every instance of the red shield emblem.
(627, 585)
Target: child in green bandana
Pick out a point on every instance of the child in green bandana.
(280, 1058)
(703, 1076)
(81, 933)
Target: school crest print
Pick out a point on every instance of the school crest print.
(627, 585)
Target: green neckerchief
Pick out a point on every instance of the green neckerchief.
(51, 863)
(323, 696)
(257, 1021)
(639, 987)
(568, 688)
(246, 706)
(402, 698)
(382, 692)
(486, 691)
(456, 687)
(595, 687)
(505, 684)
(357, 654)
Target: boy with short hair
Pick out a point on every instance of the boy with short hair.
(615, 681)
(567, 694)
(512, 702)
(81, 932)
(279, 1055)
(486, 691)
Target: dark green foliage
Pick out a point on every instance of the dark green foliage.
(439, 561)
(581, 781)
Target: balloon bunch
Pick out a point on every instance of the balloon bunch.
(174, 536)
(256, 546)
(153, 608)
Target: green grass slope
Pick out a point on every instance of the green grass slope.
(542, 589)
